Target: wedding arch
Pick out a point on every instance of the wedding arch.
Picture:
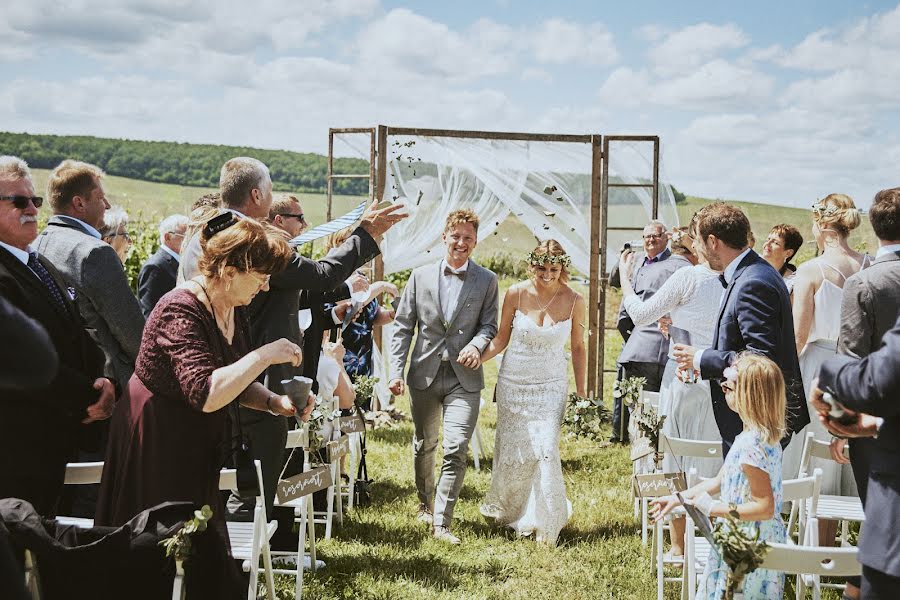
(590, 192)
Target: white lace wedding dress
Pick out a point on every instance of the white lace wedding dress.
(527, 490)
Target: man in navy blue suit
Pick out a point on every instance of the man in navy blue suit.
(870, 387)
(755, 316)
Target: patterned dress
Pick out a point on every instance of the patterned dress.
(750, 448)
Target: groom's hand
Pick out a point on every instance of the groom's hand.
(396, 386)
(469, 357)
(684, 355)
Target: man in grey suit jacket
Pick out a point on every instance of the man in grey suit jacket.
(869, 309)
(646, 349)
(71, 241)
(453, 305)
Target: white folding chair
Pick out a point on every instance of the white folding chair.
(803, 494)
(812, 561)
(836, 508)
(85, 473)
(477, 444)
(249, 540)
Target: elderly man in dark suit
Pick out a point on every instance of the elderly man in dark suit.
(755, 316)
(158, 275)
(39, 425)
(646, 349)
(71, 241)
(870, 389)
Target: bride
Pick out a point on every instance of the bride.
(539, 315)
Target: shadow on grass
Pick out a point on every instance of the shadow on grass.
(604, 531)
(387, 491)
(428, 570)
(376, 533)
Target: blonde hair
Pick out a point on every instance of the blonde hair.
(337, 238)
(549, 248)
(759, 395)
(69, 179)
(682, 241)
(837, 212)
(13, 168)
(458, 217)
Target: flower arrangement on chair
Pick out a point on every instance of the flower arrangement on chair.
(742, 551)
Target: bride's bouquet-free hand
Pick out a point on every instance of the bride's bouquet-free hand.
(585, 416)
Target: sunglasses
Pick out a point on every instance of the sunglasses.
(21, 202)
(296, 216)
(727, 386)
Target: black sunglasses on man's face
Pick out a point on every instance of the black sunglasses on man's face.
(21, 202)
(298, 216)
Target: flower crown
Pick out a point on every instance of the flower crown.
(540, 259)
(825, 211)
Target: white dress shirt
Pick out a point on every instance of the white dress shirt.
(450, 287)
(728, 273)
(171, 252)
(887, 250)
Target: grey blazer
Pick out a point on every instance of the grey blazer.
(104, 299)
(869, 306)
(474, 322)
(646, 344)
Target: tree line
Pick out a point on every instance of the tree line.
(181, 163)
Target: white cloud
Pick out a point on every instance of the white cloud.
(558, 41)
(693, 46)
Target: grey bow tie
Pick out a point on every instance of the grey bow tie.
(460, 274)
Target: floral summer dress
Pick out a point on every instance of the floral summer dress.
(750, 448)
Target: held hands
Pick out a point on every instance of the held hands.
(469, 357)
(103, 407)
(684, 355)
(397, 387)
(282, 351)
(376, 221)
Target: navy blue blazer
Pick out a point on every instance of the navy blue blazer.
(872, 385)
(755, 316)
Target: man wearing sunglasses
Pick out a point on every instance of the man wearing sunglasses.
(39, 425)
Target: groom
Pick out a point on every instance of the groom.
(454, 304)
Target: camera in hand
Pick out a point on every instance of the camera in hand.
(632, 245)
(837, 412)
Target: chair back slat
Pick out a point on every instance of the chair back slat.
(298, 438)
(690, 448)
(228, 479)
(812, 560)
(83, 473)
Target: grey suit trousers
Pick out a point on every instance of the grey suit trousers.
(446, 398)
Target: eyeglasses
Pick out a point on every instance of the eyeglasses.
(296, 216)
(264, 282)
(21, 202)
(124, 235)
(653, 236)
(727, 386)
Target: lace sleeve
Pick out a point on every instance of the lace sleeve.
(674, 292)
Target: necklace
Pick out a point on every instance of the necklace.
(537, 299)
(225, 322)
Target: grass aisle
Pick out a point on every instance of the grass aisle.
(383, 552)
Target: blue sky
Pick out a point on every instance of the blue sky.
(780, 102)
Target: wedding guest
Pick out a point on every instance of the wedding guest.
(114, 231)
(93, 270)
(870, 305)
(750, 478)
(817, 322)
(755, 315)
(690, 295)
(645, 351)
(780, 248)
(159, 274)
(170, 435)
(869, 387)
(357, 337)
(46, 405)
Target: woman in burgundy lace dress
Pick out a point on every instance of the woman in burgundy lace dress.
(170, 434)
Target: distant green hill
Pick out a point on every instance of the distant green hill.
(183, 164)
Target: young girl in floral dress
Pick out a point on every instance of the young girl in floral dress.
(750, 477)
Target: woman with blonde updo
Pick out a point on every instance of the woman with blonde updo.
(171, 433)
(538, 317)
(817, 321)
